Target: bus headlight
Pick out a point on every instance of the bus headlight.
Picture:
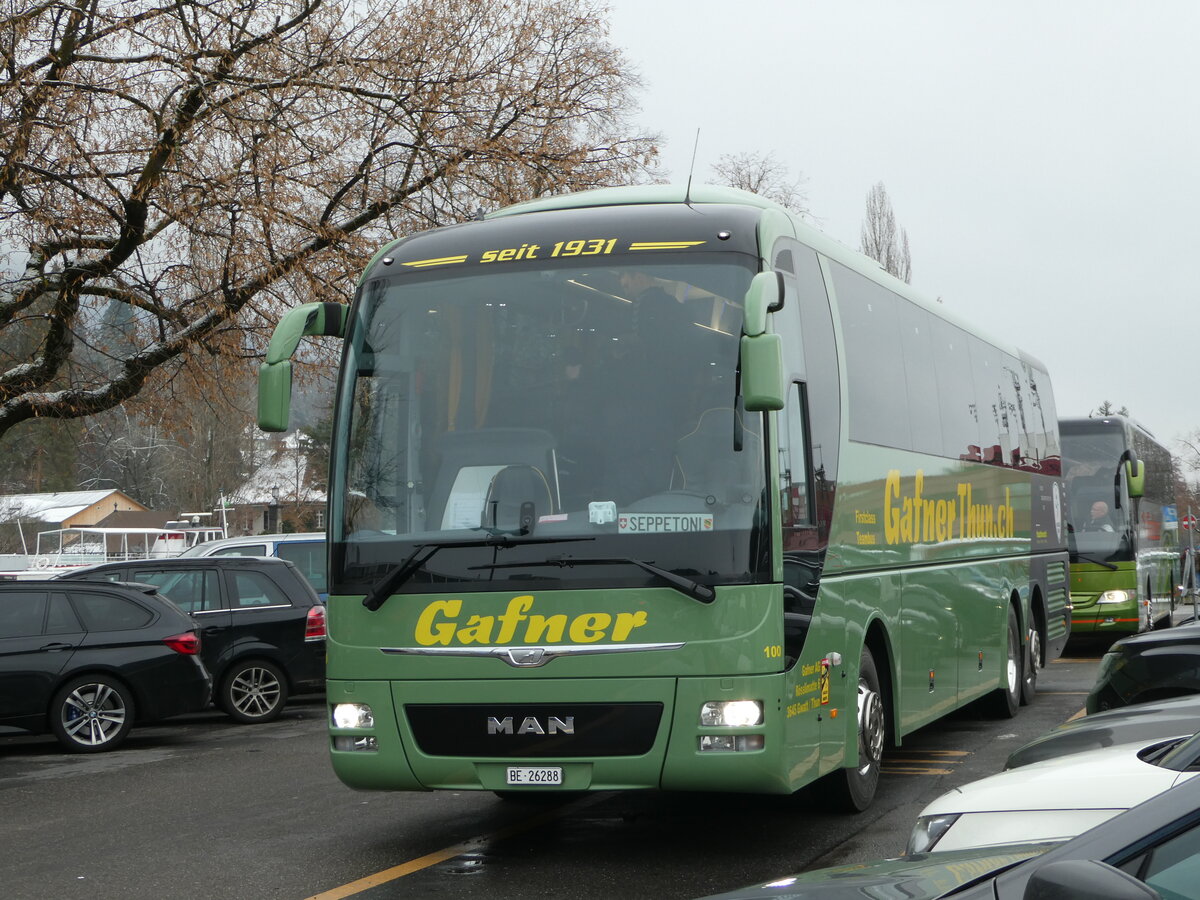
(732, 713)
(928, 831)
(353, 715)
(1113, 597)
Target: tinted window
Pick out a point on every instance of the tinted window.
(193, 590)
(956, 393)
(1172, 867)
(794, 502)
(874, 359)
(245, 550)
(62, 618)
(820, 357)
(920, 380)
(309, 557)
(108, 612)
(22, 613)
(252, 589)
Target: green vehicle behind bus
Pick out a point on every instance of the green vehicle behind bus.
(1124, 538)
(646, 488)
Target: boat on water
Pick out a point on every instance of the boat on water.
(66, 548)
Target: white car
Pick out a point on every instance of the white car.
(1055, 799)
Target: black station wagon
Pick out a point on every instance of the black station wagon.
(262, 626)
(86, 661)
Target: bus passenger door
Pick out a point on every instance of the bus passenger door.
(803, 559)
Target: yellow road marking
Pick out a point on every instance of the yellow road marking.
(903, 752)
(440, 856)
(903, 770)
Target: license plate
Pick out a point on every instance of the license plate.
(533, 775)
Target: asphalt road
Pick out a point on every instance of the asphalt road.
(203, 808)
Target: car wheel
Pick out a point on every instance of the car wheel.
(852, 789)
(91, 714)
(253, 691)
(1033, 662)
(1006, 700)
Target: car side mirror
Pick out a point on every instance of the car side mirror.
(1085, 879)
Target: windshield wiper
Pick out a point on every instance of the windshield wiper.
(1100, 562)
(699, 592)
(378, 594)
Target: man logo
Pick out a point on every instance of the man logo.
(531, 725)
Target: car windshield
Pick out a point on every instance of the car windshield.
(1180, 754)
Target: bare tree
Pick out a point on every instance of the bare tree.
(880, 238)
(762, 174)
(206, 163)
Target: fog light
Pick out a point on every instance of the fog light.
(349, 742)
(928, 831)
(353, 715)
(731, 743)
(732, 713)
(1113, 597)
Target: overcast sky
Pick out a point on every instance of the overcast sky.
(1042, 156)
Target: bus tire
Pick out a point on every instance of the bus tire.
(1006, 700)
(1033, 662)
(852, 789)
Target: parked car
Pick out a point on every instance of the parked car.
(85, 662)
(1147, 852)
(262, 625)
(306, 549)
(1141, 722)
(1056, 799)
(1154, 665)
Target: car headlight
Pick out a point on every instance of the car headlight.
(1113, 597)
(928, 831)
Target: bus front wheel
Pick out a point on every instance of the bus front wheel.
(852, 789)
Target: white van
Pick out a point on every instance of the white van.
(305, 549)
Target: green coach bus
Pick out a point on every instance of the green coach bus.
(1123, 535)
(660, 488)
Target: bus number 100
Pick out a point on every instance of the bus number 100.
(597, 247)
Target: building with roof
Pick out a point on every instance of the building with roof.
(283, 493)
(67, 509)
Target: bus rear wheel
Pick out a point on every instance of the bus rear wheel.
(1006, 700)
(1033, 662)
(852, 789)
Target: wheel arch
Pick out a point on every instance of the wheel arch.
(252, 652)
(878, 640)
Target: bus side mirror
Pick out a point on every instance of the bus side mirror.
(764, 295)
(274, 395)
(1135, 477)
(762, 372)
(275, 374)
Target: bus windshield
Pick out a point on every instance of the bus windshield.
(1091, 458)
(548, 400)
